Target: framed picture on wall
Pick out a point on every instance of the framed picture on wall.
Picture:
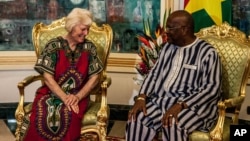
(125, 17)
(241, 15)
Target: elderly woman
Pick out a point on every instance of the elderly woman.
(70, 67)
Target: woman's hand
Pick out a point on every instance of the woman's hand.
(75, 108)
(71, 102)
(140, 105)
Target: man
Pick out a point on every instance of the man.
(181, 92)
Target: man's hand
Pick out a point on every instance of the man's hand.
(171, 114)
(140, 105)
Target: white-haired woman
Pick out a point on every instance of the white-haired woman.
(70, 67)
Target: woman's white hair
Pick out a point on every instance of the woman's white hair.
(78, 16)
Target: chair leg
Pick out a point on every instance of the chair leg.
(89, 137)
(19, 115)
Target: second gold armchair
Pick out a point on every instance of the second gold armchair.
(234, 50)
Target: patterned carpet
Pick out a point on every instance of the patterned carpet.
(116, 133)
(94, 138)
(109, 138)
(5, 132)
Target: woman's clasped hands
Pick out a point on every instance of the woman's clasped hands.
(71, 101)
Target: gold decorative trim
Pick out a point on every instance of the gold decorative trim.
(225, 30)
(17, 60)
(9, 59)
(123, 60)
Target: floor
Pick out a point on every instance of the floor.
(5, 132)
(116, 128)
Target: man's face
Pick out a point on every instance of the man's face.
(174, 30)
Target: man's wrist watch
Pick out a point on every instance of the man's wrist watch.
(140, 98)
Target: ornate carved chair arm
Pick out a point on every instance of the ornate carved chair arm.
(19, 114)
(233, 102)
(217, 133)
(108, 81)
(90, 129)
(102, 114)
(26, 81)
(105, 84)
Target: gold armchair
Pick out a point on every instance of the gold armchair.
(96, 119)
(234, 50)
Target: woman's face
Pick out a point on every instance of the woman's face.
(79, 32)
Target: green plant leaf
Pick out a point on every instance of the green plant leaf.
(146, 25)
(166, 14)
